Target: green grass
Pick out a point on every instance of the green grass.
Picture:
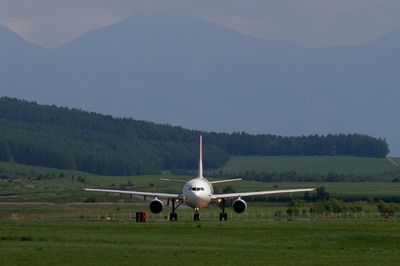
(310, 164)
(189, 243)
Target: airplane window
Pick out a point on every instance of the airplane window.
(202, 188)
(193, 188)
(198, 189)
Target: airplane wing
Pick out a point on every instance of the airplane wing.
(258, 193)
(138, 193)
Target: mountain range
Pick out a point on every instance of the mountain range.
(184, 71)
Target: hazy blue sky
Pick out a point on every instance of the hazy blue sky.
(311, 23)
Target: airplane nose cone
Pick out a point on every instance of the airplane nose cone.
(203, 196)
(198, 199)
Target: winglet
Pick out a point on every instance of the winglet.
(201, 157)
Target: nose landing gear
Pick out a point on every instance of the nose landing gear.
(196, 216)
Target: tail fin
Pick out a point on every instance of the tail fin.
(201, 157)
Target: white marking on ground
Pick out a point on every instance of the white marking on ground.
(392, 161)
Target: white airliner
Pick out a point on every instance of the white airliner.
(199, 193)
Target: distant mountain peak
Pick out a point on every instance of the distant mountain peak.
(12, 41)
(7, 34)
(390, 40)
(167, 27)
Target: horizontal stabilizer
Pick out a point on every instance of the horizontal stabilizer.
(225, 181)
(173, 180)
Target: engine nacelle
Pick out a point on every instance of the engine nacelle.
(156, 206)
(239, 205)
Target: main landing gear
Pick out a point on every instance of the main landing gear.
(173, 216)
(223, 215)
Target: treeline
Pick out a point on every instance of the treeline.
(341, 144)
(293, 176)
(74, 139)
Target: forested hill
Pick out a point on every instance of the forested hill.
(74, 139)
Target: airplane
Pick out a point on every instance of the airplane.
(198, 193)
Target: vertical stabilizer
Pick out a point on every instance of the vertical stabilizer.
(201, 157)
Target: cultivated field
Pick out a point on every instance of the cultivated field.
(310, 164)
(63, 186)
(60, 190)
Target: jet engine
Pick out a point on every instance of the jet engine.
(239, 205)
(156, 206)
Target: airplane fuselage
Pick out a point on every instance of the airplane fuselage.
(197, 193)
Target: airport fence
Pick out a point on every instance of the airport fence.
(211, 216)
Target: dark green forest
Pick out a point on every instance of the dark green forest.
(74, 139)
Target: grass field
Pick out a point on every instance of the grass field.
(310, 164)
(189, 243)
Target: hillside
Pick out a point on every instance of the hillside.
(182, 70)
(78, 140)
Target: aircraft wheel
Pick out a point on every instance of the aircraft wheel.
(173, 216)
(223, 216)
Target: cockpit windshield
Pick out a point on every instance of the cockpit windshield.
(197, 188)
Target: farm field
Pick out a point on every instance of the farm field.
(65, 189)
(59, 190)
(64, 186)
(310, 164)
(214, 243)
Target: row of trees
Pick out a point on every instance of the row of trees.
(340, 144)
(73, 139)
(293, 176)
